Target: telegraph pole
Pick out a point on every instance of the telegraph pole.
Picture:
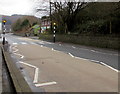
(50, 16)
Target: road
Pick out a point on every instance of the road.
(60, 67)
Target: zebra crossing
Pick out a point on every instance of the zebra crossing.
(24, 43)
(28, 43)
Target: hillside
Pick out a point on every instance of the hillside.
(11, 19)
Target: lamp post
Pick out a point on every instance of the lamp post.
(4, 21)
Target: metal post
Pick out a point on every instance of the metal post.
(54, 36)
(54, 32)
(4, 35)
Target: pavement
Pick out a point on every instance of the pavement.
(0, 71)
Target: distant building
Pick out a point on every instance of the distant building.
(45, 24)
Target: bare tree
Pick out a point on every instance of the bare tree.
(65, 12)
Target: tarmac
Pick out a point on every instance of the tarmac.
(70, 74)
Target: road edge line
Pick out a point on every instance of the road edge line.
(109, 66)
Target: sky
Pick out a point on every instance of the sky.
(9, 7)
(25, 7)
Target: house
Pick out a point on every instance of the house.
(45, 24)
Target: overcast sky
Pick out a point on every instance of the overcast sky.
(26, 7)
(9, 7)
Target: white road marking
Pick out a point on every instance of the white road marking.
(10, 49)
(41, 42)
(93, 50)
(52, 49)
(36, 71)
(94, 61)
(27, 64)
(23, 43)
(81, 58)
(60, 44)
(70, 54)
(100, 63)
(43, 46)
(14, 43)
(55, 50)
(109, 67)
(45, 84)
(16, 50)
(34, 43)
(73, 47)
(36, 75)
(21, 56)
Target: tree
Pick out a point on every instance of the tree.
(25, 23)
(65, 12)
(17, 25)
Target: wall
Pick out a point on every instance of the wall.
(100, 41)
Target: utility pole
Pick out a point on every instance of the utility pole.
(51, 27)
(50, 16)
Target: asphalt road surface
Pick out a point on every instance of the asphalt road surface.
(60, 67)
